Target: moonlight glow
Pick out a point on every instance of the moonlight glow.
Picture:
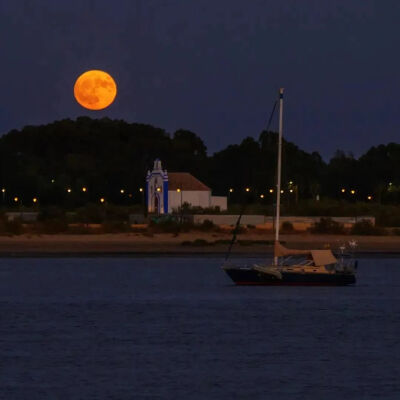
(95, 90)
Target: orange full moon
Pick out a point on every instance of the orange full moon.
(95, 90)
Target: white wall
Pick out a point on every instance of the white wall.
(226, 219)
(219, 201)
(195, 198)
(311, 220)
(230, 219)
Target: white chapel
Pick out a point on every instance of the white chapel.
(168, 191)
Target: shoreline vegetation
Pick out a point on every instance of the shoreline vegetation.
(60, 234)
(173, 236)
(201, 243)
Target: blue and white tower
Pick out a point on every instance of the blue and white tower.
(157, 189)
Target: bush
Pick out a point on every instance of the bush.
(206, 226)
(365, 227)
(328, 225)
(52, 226)
(287, 227)
(51, 213)
(169, 224)
(115, 227)
(240, 229)
(13, 227)
(91, 214)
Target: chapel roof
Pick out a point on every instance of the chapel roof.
(185, 181)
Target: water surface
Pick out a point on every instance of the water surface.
(176, 328)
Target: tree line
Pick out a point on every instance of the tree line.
(53, 163)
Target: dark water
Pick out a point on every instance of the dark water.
(175, 328)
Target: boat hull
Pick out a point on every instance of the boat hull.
(250, 276)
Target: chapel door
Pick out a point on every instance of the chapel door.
(156, 205)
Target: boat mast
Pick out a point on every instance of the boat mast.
(278, 183)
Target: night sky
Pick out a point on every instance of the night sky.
(213, 67)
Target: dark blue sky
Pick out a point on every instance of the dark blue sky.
(212, 67)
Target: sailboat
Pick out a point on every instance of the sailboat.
(293, 266)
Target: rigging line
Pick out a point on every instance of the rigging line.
(235, 231)
(272, 115)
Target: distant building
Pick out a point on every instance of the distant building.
(23, 216)
(166, 191)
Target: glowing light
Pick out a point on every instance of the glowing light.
(343, 190)
(291, 190)
(271, 190)
(122, 191)
(34, 200)
(369, 197)
(282, 191)
(290, 183)
(69, 190)
(84, 189)
(140, 189)
(178, 190)
(102, 200)
(16, 199)
(3, 190)
(352, 191)
(261, 196)
(52, 181)
(247, 189)
(158, 189)
(95, 90)
(230, 190)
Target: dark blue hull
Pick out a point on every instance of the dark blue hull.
(249, 276)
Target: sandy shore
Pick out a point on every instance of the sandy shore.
(135, 243)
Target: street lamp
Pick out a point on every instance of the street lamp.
(84, 189)
(352, 191)
(180, 191)
(35, 200)
(122, 191)
(271, 190)
(229, 194)
(261, 196)
(369, 197)
(247, 189)
(69, 190)
(102, 200)
(141, 190)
